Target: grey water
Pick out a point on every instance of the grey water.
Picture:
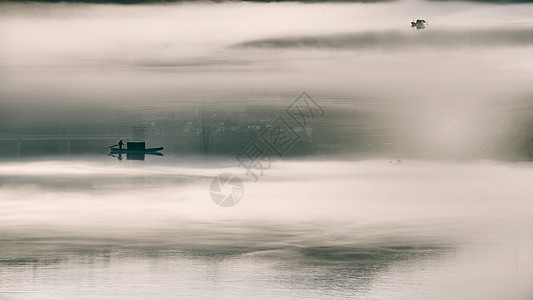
(415, 183)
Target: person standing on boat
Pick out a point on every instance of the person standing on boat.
(120, 144)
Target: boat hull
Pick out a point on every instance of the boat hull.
(148, 150)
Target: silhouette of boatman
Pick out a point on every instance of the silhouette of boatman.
(120, 144)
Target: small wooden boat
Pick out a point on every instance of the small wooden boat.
(135, 147)
(148, 150)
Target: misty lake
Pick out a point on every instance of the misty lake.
(412, 179)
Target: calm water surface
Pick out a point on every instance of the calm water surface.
(366, 230)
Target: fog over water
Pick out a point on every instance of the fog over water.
(177, 52)
(414, 184)
(435, 230)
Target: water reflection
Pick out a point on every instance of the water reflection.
(199, 274)
(133, 156)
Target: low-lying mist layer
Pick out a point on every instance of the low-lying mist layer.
(395, 40)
